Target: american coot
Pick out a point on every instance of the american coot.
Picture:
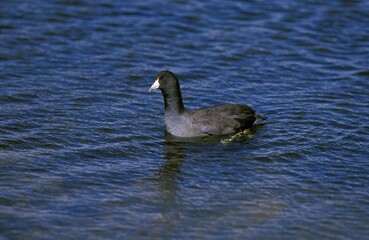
(217, 120)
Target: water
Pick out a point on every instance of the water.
(83, 151)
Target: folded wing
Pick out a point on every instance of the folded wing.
(224, 119)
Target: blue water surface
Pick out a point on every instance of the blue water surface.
(83, 150)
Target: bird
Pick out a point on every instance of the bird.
(217, 120)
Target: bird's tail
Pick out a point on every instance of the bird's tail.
(259, 119)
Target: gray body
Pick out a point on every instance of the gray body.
(218, 120)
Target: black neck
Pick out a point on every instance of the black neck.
(173, 100)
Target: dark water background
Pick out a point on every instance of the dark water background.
(82, 146)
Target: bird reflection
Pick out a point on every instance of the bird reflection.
(171, 177)
(175, 152)
(174, 157)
